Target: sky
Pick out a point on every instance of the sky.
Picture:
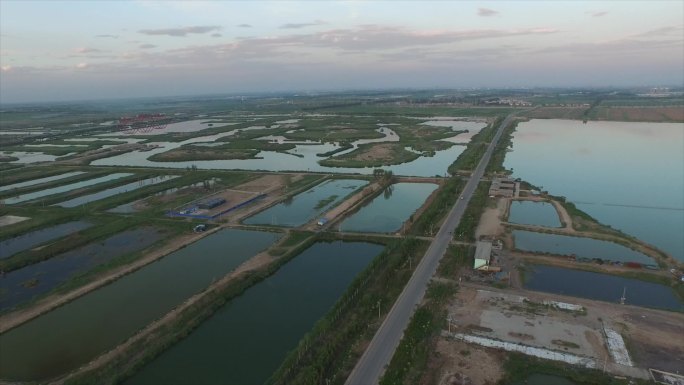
(79, 50)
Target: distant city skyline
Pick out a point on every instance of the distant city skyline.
(76, 50)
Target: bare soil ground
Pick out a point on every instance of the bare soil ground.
(490, 221)
(271, 184)
(653, 337)
(557, 113)
(7, 220)
(643, 114)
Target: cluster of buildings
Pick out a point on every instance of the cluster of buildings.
(503, 187)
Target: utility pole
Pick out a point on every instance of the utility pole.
(379, 310)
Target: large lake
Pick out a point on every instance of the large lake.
(627, 175)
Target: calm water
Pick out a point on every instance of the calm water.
(65, 188)
(302, 207)
(610, 163)
(245, 341)
(534, 213)
(115, 190)
(389, 210)
(19, 286)
(11, 246)
(276, 161)
(602, 287)
(34, 182)
(36, 351)
(581, 247)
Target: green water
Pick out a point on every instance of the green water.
(389, 210)
(245, 341)
(71, 335)
(306, 205)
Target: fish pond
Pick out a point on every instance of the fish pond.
(19, 286)
(598, 286)
(11, 246)
(629, 175)
(115, 190)
(582, 248)
(34, 351)
(307, 205)
(34, 182)
(389, 210)
(65, 188)
(534, 213)
(246, 340)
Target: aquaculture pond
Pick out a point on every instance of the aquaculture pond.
(389, 210)
(34, 351)
(246, 340)
(534, 213)
(132, 207)
(588, 248)
(34, 182)
(628, 175)
(307, 205)
(600, 286)
(65, 188)
(115, 190)
(19, 286)
(11, 246)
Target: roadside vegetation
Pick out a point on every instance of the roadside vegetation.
(429, 221)
(471, 217)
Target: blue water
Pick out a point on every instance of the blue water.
(602, 287)
(389, 210)
(607, 163)
(65, 188)
(11, 246)
(47, 275)
(581, 247)
(114, 191)
(534, 213)
(302, 207)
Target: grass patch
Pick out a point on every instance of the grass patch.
(471, 217)
(428, 223)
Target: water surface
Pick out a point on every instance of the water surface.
(599, 286)
(20, 286)
(36, 351)
(637, 165)
(307, 205)
(581, 247)
(246, 340)
(33, 182)
(114, 191)
(65, 188)
(11, 246)
(389, 210)
(534, 213)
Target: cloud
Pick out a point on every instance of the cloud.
(6, 68)
(108, 36)
(244, 25)
(216, 35)
(486, 12)
(184, 31)
(87, 50)
(597, 13)
(302, 25)
(82, 65)
(147, 46)
(663, 31)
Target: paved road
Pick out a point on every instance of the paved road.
(372, 364)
